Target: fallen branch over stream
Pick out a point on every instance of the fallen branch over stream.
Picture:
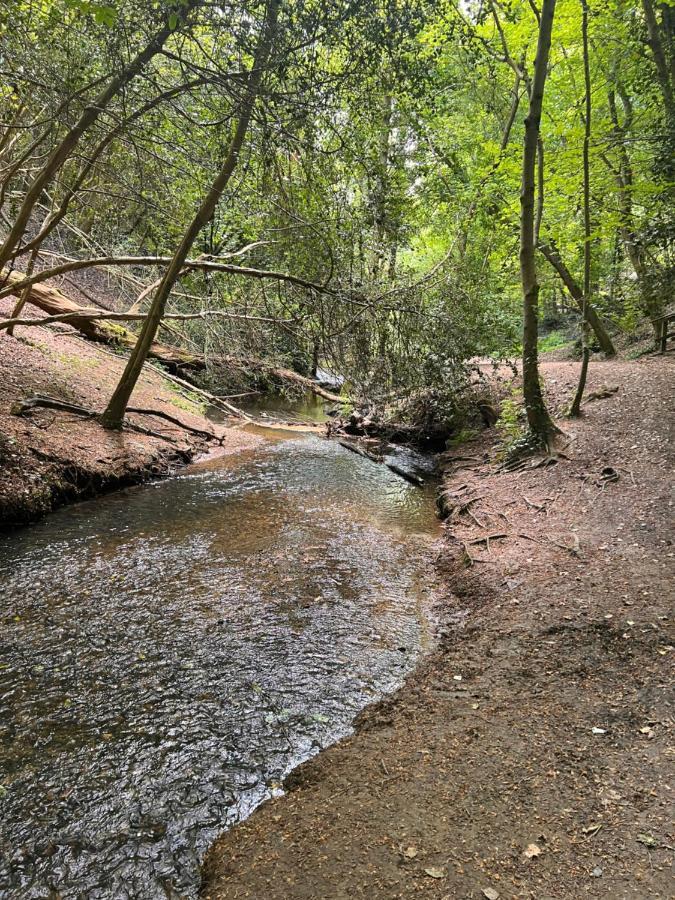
(402, 473)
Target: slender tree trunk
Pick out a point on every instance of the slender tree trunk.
(552, 256)
(114, 412)
(651, 300)
(70, 140)
(381, 189)
(539, 421)
(25, 293)
(662, 69)
(575, 409)
(315, 357)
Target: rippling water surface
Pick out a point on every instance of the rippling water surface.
(169, 652)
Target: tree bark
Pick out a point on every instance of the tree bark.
(662, 70)
(650, 299)
(114, 412)
(575, 409)
(538, 418)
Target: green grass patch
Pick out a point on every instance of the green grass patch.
(183, 398)
(552, 341)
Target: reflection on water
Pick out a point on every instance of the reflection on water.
(306, 408)
(169, 652)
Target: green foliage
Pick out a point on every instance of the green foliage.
(463, 436)
(511, 423)
(552, 341)
(376, 165)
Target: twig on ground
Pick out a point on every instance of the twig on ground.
(498, 535)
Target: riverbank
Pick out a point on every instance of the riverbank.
(48, 457)
(528, 756)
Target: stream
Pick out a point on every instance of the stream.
(169, 652)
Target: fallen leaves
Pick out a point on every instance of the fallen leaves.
(647, 839)
(434, 872)
(532, 851)
(490, 893)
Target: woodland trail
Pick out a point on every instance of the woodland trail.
(528, 756)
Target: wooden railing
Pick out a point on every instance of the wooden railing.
(663, 324)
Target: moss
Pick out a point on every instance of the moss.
(183, 398)
(511, 424)
(75, 362)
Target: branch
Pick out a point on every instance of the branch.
(91, 315)
(24, 406)
(209, 265)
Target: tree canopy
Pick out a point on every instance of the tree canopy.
(370, 217)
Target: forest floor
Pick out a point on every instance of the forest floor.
(48, 458)
(528, 757)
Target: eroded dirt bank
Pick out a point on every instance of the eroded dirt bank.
(529, 756)
(48, 458)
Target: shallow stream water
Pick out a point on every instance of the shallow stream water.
(169, 652)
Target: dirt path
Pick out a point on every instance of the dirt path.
(529, 757)
(49, 458)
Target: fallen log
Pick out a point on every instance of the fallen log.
(53, 302)
(98, 327)
(408, 476)
(359, 450)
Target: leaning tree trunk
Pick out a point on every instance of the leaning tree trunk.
(114, 412)
(552, 256)
(539, 421)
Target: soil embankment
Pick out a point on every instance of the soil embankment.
(529, 755)
(51, 457)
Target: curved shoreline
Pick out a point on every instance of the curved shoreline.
(49, 459)
(527, 756)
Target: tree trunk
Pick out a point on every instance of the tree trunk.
(552, 256)
(114, 412)
(575, 409)
(651, 300)
(539, 421)
(662, 71)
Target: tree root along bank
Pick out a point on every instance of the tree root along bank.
(527, 757)
(51, 457)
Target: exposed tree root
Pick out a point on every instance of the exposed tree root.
(533, 452)
(45, 402)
